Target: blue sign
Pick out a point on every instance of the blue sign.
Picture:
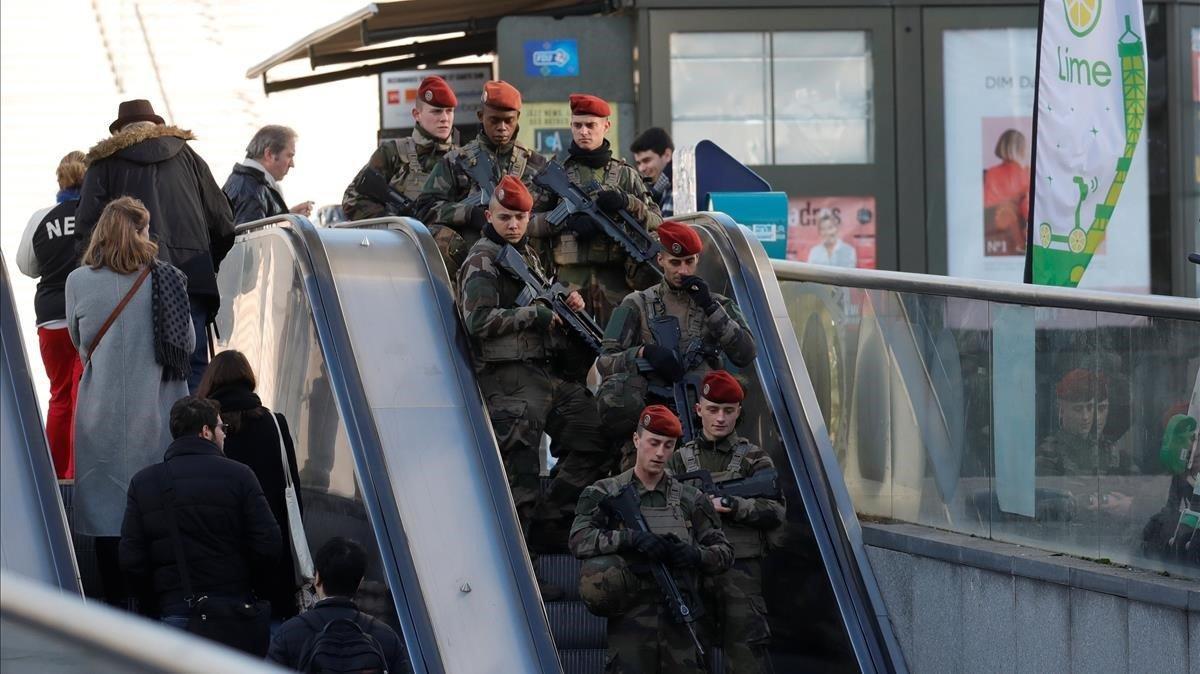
(765, 214)
(552, 58)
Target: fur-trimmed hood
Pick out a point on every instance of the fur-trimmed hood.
(130, 143)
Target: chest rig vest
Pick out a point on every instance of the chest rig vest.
(746, 542)
(597, 249)
(517, 161)
(669, 519)
(527, 344)
(410, 181)
(697, 355)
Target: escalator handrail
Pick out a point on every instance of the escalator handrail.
(1158, 306)
(350, 395)
(789, 390)
(481, 427)
(29, 417)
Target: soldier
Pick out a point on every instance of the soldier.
(449, 197)
(709, 325)
(512, 347)
(615, 581)
(740, 607)
(584, 257)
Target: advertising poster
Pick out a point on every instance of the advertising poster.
(398, 93)
(546, 127)
(1090, 168)
(990, 78)
(552, 58)
(837, 231)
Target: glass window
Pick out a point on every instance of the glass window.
(796, 97)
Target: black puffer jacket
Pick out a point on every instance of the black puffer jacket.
(189, 216)
(229, 535)
(251, 196)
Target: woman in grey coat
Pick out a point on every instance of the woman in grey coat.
(132, 376)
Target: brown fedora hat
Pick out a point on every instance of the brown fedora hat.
(137, 110)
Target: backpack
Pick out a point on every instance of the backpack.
(341, 646)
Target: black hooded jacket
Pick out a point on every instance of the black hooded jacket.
(251, 196)
(189, 215)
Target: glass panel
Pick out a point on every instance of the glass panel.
(745, 140)
(733, 114)
(822, 97)
(28, 649)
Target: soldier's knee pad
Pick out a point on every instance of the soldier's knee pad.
(607, 586)
(619, 400)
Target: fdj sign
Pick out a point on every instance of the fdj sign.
(552, 58)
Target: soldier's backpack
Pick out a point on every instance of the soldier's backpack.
(341, 646)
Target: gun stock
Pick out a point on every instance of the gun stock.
(553, 295)
(763, 484)
(371, 183)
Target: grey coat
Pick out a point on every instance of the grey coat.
(123, 412)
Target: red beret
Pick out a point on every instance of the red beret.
(513, 195)
(501, 95)
(435, 91)
(720, 387)
(660, 420)
(1081, 385)
(586, 104)
(679, 239)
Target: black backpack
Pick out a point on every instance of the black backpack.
(341, 646)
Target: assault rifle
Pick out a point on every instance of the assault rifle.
(684, 393)
(554, 295)
(622, 227)
(371, 183)
(763, 484)
(483, 172)
(627, 507)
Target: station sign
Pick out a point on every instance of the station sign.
(552, 58)
(398, 93)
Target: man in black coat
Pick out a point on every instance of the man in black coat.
(340, 565)
(189, 215)
(226, 528)
(253, 186)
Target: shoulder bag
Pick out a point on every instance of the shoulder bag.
(305, 596)
(116, 312)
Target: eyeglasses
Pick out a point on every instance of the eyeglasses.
(221, 427)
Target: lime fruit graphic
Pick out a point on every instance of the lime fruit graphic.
(1045, 233)
(1082, 15)
(1076, 240)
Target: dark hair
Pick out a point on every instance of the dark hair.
(655, 139)
(190, 414)
(229, 369)
(342, 563)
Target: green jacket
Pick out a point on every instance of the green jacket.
(405, 162)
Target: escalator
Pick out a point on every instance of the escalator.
(354, 336)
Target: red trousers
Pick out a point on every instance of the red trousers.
(64, 369)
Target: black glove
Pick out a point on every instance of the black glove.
(581, 224)
(698, 289)
(477, 219)
(682, 555)
(664, 361)
(545, 315)
(611, 201)
(652, 545)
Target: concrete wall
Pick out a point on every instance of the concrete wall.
(962, 604)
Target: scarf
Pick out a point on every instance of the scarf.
(169, 300)
(597, 158)
(68, 194)
(427, 143)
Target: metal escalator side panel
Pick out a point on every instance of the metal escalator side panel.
(805, 439)
(34, 538)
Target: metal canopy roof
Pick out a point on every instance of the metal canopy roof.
(352, 39)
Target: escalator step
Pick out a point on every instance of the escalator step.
(562, 570)
(576, 661)
(574, 627)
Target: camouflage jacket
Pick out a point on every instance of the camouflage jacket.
(443, 200)
(1066, 454)
(499, 330)
(405, 162)
(592, 534)
(722, 331)
(717, 457)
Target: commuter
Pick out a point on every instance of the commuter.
(48, 252)
(584, 257)
(197, 529)
(710, 327)
(189, 215)
(740, 610)
(526, 394)
(334, 636)
(254, 438)
(253, 187)
(616, 581)
(451, 197)
(134, 338)
(653, 152)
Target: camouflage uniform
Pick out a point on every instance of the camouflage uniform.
(443, 204)
(737, 594)
(702, 337)
(598, 267)
(512, 347)
(644, 638)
